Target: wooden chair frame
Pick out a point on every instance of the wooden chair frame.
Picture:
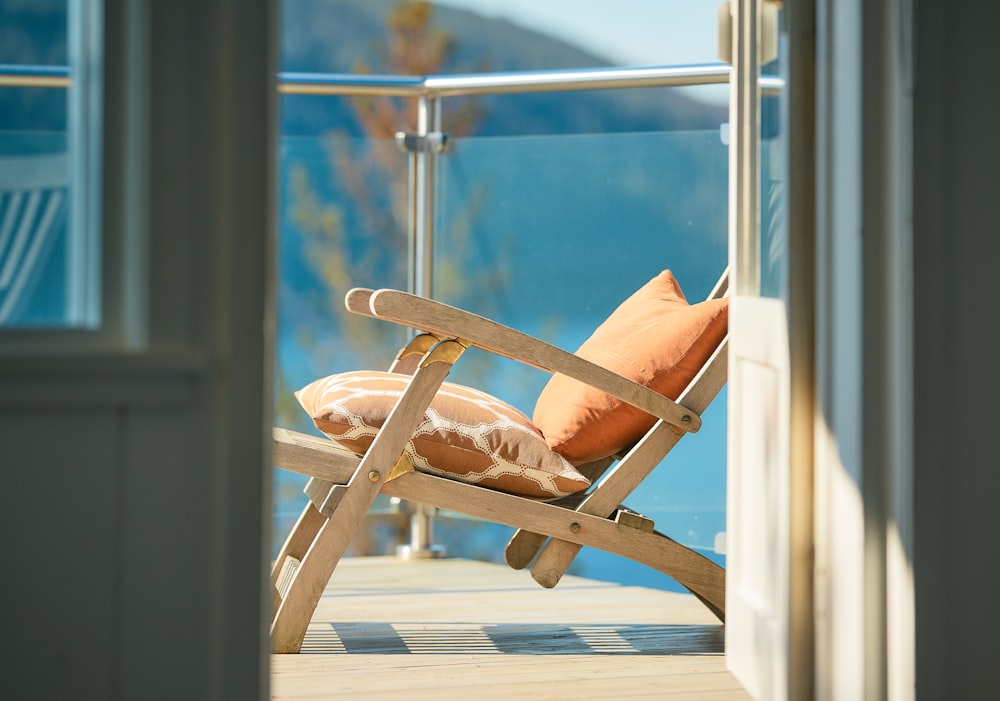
(344, 485)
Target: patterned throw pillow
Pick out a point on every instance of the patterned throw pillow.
(465, 434)
(654, 338)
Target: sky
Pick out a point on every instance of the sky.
(633, 32)
(628, 32)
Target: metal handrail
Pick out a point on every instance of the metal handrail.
(350, 84)
(292, 83)
(299, 83)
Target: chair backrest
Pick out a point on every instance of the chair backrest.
(33, 204)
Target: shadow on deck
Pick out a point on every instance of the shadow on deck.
(457, 629)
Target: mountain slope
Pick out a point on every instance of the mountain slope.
(337, 36)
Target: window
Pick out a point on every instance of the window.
(50, 92)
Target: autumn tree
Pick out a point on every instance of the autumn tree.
(373, 175)
(362, 239)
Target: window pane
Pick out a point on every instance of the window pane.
(48, 248)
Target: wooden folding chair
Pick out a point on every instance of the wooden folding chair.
(345, 483)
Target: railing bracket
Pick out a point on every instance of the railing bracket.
(433, 142)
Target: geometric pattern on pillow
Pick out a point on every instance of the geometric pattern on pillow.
(654, 338)
(465, 434)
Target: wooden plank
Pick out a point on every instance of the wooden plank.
(313, 456)
(443, 629)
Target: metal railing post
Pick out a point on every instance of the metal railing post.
(423, 164)
(428, 123)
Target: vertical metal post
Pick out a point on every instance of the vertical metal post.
(798, 105)
(744, 160)
(428, 122)
(423, 165)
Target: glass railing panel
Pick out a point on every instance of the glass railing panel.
(583, 112)
(50, 165)
(544, 233)
(342, 224)
(548, 235)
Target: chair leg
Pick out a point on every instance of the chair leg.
(553, 562)
(296, 609)
(524, 545)
(702, 577)
(522, 548)
(316, 566)
(313, 551)
(557, 555)
(383, 461)
(296, 545)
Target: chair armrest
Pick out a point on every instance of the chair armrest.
(444, 320)
(358, 301)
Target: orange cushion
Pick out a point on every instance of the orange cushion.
(654, 338)
(465, 434)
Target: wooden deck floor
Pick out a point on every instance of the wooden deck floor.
(456, 629)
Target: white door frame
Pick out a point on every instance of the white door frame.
(769, 634)
(847, 620)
